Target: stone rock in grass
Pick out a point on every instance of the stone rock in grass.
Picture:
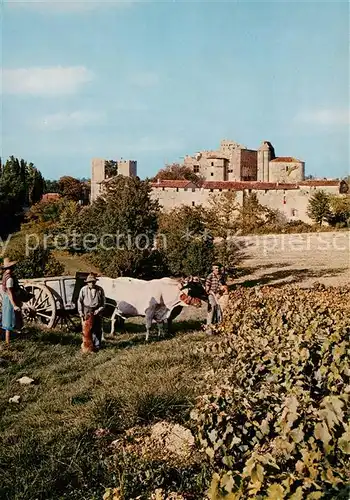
(25, 381)
(174, 439)
(15, 399)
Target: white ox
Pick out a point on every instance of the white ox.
(158, 300)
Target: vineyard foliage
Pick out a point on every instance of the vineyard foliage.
(278, 425)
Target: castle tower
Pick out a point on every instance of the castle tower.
(97, 176)
(128, 168)
(233, 151)
(266, 153)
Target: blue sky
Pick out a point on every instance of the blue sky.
(154, 81)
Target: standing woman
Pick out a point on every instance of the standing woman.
(11, 311)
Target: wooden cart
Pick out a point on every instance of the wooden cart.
(54, 300)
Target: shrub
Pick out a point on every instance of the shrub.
(278, 426)
(188, 247)
(340, 211)
(144, 264)
(319, 209)
(39, 262)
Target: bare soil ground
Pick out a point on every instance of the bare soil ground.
(294, 258)
(302, 259)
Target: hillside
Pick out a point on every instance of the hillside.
(258, 411)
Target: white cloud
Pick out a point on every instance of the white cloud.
(45, 81)
(75, 119)
(325, 117)
(144, 79)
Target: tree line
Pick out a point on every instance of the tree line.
(22, 186)
(125, 232)
(150, 242)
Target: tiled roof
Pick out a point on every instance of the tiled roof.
(286, 159)
(239, 186)
(50, 196)
(320, 182)
(243, 185)
(172, 184)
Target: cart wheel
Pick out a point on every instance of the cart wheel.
(41, 309)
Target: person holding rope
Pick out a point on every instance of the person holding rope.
(91, 303)
(213, 285)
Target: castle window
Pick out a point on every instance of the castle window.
(294, 212)
(193, 190)
(177, 190)
(196, 169)
(212, 163)
(265, 191)
(220, 189)
(193, 203)
(212, 174)
(163, 189)
(211, 190)
(286, 169)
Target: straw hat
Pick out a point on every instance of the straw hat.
(91, 278)
(8, 263)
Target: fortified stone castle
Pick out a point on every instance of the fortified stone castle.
(234, 162)
(279, 182)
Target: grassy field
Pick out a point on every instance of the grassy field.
(74, 263)
(49, 448)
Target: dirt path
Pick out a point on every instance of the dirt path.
(294, 258)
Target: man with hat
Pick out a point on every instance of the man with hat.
(11, 310)
(91, 303)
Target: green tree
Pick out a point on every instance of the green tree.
(222, 220)
(70, 188)
(253, 215)
(184, 239)
(13, 194)
(51, 186)
(35, 185)
(340, 210)
(44, 211)
(319, 208)
(128, 214)
(111, 169)
(37, 263)
(14, 183)
(178, 172)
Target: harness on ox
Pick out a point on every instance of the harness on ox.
(190, 301)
